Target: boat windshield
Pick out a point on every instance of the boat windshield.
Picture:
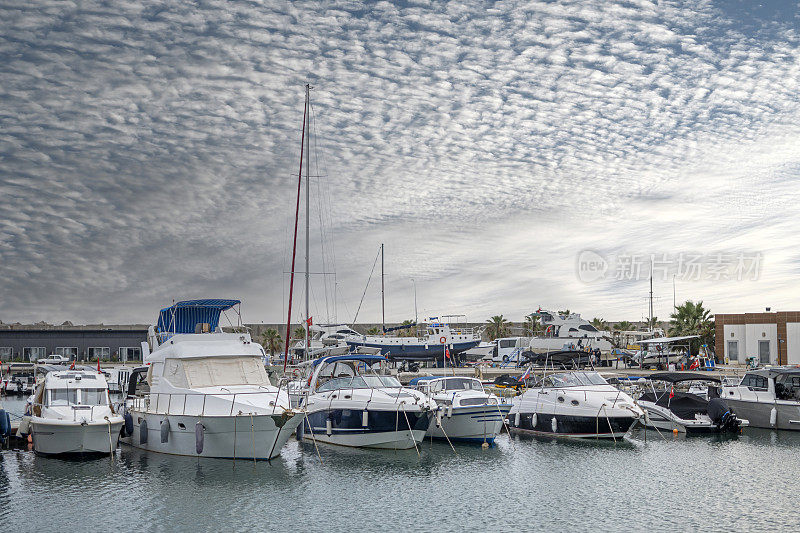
(63, 397)
(453, 384)
(359, 382)
(574, 379)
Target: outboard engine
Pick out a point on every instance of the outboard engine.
(721, 415)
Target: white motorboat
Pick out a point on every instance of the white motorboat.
(670, 409)
(70, 412)
(467, 413)
(767, 397)
(350, 404)
(206, 392)
(573, 404)
(567, 332)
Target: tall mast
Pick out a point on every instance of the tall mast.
(308, 211)
(294, 245)
(383, 300)
(651, 300)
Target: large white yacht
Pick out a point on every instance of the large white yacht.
(351, 404)
(573, 404)
(70, 413)
(567, 332)
(205, 392)
(467, 413)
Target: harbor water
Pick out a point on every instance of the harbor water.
(741, 483)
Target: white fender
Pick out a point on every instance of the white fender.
(328, 427)
(365, 418)
(554, 424)
(516, 419)
(773, 417)
(450, 410)
(534, 419)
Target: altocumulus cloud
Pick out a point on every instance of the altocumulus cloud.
(147, 151)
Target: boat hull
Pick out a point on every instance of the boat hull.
(52, 437)
(759, 414)
(477, 424)
(224, 437)
(613, 427)
(421, 352)
(383, 429)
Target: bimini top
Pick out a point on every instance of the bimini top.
(675, 377)
(422, 379)
(368, 359)
(664, 340)
(182, 317)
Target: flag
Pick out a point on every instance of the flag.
(98, 366)
(309, 321)
(671, 392)
(72, 366)
(525, 376)
(447, 352)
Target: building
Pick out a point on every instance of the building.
(81, 343)
(770, 338)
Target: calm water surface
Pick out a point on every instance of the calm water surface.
(743, 484)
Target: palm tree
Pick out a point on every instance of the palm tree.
(374, 330)
(271, 341)
(692, 318)
(599, 324)
(498, 327)
(299, 332)
(532, 325)
(623, 326)
(565, 312)
(651, 322)
(409, 331)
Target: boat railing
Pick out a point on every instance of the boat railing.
(75, 409)
(197, 404)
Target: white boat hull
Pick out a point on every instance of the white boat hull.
(389, 440)
(469, 424)
(225, 437)
(52, 436)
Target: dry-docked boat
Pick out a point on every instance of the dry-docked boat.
(351, 404)
(205, 392)
(767, 398)
(686, 412)
(71, 413)
(573, 404)
(467, 413)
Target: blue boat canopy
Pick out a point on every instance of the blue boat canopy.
(368, 359)
(182, 317)
(422, 379)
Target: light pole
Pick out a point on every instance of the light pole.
(416, 317)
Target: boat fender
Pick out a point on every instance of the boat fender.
(143, 432)
(165, 431)
(773, 417)
(128, 424)
(554, 425)
(534, 420)
(516, 419)
(450, 411)
(199, 437)
(365, 418)
(438, 418)
(328, 427)
(4, 425)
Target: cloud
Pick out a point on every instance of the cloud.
(150, 152)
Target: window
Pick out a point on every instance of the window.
(763, 351)
(101, 352)
(63, 397)
(754, 382)
(221, 371)
(32, 354)
(587, 327)
(70, 352)
(94, 397)
(733, 350)
(6, 353)
(127, 353)
(507, 343)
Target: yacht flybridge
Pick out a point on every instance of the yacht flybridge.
(205, 392)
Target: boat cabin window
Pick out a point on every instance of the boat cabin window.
(754, 382)
(63, 397)
(359, 382)
(787, 387)
(94, 397)
(390, 381)
(574, 379)
(462, 384)
(216, 372)
(509, 343)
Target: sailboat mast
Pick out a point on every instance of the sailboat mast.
(294, 245)
(651, 300)
(383, 300)
(308, 214)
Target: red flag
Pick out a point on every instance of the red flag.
(671, 392)
(72, 366)
(98, 366)
(447, 352)
(309, 321)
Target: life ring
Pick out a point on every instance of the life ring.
(442, 340)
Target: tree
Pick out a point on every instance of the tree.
(651, 322)
(299, 332)
(374, 330)
(272, 341)
(623, 326)
(565, 312)
(410, 331)
(599, 324)
(532, 325)
(692, 318)
(498, 327)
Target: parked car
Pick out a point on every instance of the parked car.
(53, 360)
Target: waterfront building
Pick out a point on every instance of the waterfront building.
(78, 343)
(769, 338)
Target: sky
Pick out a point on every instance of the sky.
(509, 156)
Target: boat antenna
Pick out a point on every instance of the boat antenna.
(294, 246)
(383, 299)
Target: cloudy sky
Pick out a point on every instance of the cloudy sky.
(510, 155)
